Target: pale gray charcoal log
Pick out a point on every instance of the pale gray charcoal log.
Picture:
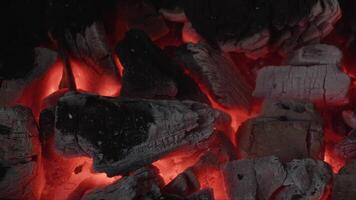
(142, 182)
(240, 180)
(122, 135)
(20, 154)
(307, 179)
(265, 177)
(310, 75)
(11, 90)
(90, 46)
(318, 54)
(287, 129)
(216, 71)
(344, 187)
(254, 178)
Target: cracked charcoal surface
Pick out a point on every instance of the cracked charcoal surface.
(140, 131)
(113, 130)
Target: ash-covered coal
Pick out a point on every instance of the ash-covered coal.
(124, 134)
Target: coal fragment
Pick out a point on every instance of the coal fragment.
(218, 73)
(20, 157)
(288, 129)
(124, 134)
(345, 183)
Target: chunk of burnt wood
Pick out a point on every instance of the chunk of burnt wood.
(254, 178)
(150, 73)
(20, 154)
(347, 147)
(216, 71)
(294, 131)
(11, 90)
(144, 64)
(306, 179)
(142, 182)
(254, 27)
(267, 177)
(310, 75)
(123, 134)
(240, 180)
(184, 184)
(142, 15)
(345, 183)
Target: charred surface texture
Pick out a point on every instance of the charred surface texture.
(347, 147)
(266, 178)
(150, 73)
(216, 71)
(313, 74)
(122, 134)
(11, 90)
(287, 129)
(20, 154)
(345, 183)
(306, 179)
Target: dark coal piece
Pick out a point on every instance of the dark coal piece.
(144, 64)
(11, 90)
(77, 27)
(206, 194)
(287, 129)
(347, 147)
(345, 183)
(150, 73)
(142, 15)
(122, 134)
(20, 156)
(142, 184)
(216, 71)
(253, 27)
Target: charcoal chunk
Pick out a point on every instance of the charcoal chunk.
(216, 71)
(124, 134)
(150, 73)
(20, 157)
(288, 129)
(345, 183)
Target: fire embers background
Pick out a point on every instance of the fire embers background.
(164, 99)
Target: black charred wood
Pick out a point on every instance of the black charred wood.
(123, 135)
(184, 184)
(150, 73)
(238, 19)
(217, 72)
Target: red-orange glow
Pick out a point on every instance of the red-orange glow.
(331, 157)
(174, 164)
(80, 170)
(89, 80)
(213, 178)
(42, 87)
(119, 65)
